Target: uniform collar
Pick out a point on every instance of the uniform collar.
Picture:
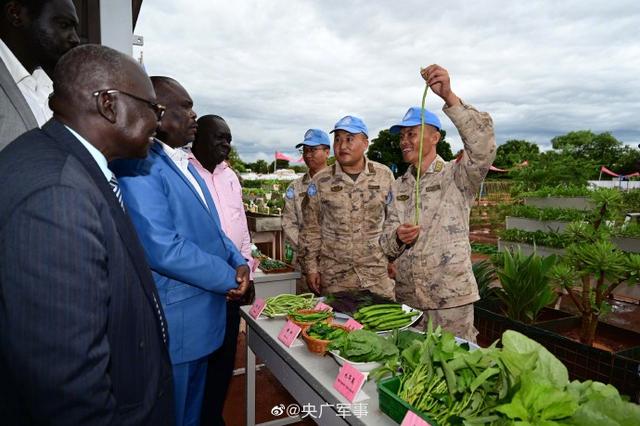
(436, 166)
(369, 169)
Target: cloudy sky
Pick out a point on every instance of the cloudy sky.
(275, 68)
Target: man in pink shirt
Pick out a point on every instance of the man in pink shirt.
(210, 149)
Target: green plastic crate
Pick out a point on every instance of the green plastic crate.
(392, 405)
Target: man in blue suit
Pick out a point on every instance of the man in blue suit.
(195, 266)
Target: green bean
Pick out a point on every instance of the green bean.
(284, 304)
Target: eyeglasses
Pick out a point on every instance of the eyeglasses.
(310, 149)
(158, 109)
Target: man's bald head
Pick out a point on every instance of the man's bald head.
(108, 95)
(90, 68)
(164, 86)
(178, 125)
(86, 69)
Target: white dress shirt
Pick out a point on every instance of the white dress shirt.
(95, 153)
(35, 87)
(181, 159)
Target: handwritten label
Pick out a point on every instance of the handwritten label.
(349, 381)
(412, 419)
(352, 324)
(257, 308)
(323, 307)
(289, 333)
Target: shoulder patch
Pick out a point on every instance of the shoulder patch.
(402, 197)
(389, 198)
(312, 190)
(438, 167)
(290, 193)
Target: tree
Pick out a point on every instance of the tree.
(602, 148)
(552, 169)
(259, 166)
(628, 162)
(444, 148)
(281, 164)
(300, 168)
(235, 162)
(514, 152)
(385, 149)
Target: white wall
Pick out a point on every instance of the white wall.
(634, 184)
(116, 25)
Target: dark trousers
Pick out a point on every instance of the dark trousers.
(220, 370)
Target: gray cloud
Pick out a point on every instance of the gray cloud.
(274, 69)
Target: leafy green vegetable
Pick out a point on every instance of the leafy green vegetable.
(364, 346)
(547, 365)
(539, 402)
(324, 331)
(601, 405)
(519, 384)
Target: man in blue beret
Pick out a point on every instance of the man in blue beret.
(344, 212)
(433, 256)
(315, 149)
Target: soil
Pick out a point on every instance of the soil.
(608, 338)
(601, 342)
(623, 314)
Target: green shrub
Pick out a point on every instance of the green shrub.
(484, 248)
(525, 287)
(485, 275)
(558, 191)
(530, 212)
(540, 238)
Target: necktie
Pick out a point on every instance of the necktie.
(164, 333)
(116, 189)
(113, 182)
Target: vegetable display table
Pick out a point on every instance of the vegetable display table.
(308, 378)
(274, 284)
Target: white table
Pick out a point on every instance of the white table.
(308, 378)
(275, 284)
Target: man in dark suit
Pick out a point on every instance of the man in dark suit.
(82, 335)
(33, 37)
(195, 266)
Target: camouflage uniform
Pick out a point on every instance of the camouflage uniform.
(343, 221)
(292, 221)
(292, 215)
(435, 272)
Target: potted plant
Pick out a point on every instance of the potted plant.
(524, 285)
(521, 298)
(595, 266)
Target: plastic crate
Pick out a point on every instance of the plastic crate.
(626, 370)
(392, 405)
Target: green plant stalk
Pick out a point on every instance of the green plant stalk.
(424, 97)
